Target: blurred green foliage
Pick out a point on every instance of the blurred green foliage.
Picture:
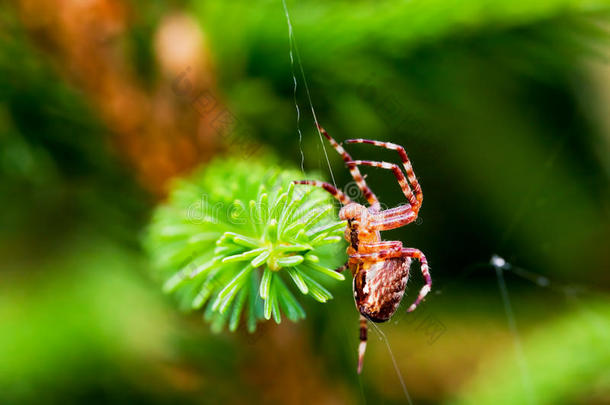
(493, 101)
(56, 167)
(554, 372)
(232, 235)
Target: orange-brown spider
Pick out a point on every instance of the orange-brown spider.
(380, 268)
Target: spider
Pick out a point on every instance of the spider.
(380, 269)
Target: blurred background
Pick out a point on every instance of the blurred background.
(503, 107)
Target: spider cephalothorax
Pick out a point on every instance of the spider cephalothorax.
(380, 268)
(357, 217)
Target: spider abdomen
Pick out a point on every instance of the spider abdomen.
(380, 286)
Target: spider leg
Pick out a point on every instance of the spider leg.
(393, 218)
(417, 254)
(338, 194)
(354, 171)
(405, 162)
(377, 251)
(340, 269)
(402, 180)
(378, 255)
(362, 345)
(393, 245)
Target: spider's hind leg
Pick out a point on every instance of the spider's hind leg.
(362, 345)
(417, 254)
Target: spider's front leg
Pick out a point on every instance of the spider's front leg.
(402, 180)
(366, 191)
(406, 163)
(332, 190)
(393, 218)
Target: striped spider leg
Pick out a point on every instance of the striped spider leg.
(380, 268)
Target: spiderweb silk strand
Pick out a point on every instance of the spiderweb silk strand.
(295, 84)
(398, 373)
(500, 264)
(295, 56)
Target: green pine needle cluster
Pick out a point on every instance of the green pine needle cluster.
(239, 240)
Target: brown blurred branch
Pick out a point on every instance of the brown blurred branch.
(157, 134)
